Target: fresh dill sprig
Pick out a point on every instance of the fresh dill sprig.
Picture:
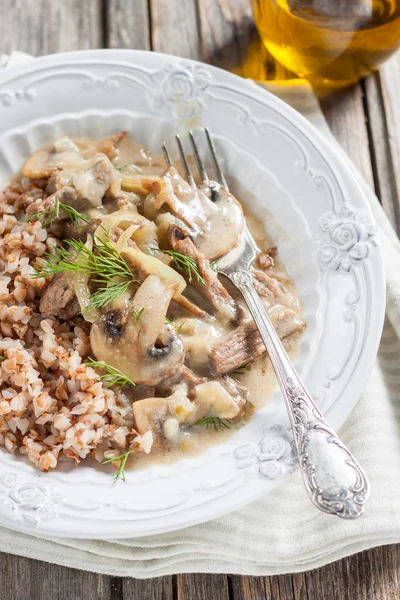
(178, 330)
(170, 322)
(186, 264)
(112, 376)
(216, 422)
(121, 168)
(108, 294)
(104, 264)
(137, 314)
(48, 217)
(120, 474)
(2, 358)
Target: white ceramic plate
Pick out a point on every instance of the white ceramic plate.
(326, 238)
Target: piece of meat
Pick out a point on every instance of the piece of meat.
(266, 286)
(265, 260)
(93, 182)
(218, 298)
(59, 299)
(107, 145)
(189, 306)
(245, 345)
(79, 230)
(66, 195)
(31, 196)
(238, 392)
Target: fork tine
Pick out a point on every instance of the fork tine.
(199, 162)
(220, 176)
(166, 153)
(186, 167)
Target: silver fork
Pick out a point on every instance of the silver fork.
(334, 480)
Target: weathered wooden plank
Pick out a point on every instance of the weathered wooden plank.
(371, 575)
(380, 148)
(158, 588)
(174, 27)
(226, 30)
(6, 579)
(344, 112)
(45, 26)
(299, 586)
(390, 78)
(383, 101)
(26, 579)
(128, 24)
(248, 588)
(202, 587)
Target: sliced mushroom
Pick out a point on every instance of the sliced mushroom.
(44, 162)
(163, 416)
(144, 349)
(212, 399)
(213, 216)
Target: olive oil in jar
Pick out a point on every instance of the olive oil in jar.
(332, 43)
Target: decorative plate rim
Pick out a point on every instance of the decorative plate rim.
(38, 503)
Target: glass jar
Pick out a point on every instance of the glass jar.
(332, 43)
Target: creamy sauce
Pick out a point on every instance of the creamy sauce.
(153, 204)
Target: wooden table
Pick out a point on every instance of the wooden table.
(366, 121)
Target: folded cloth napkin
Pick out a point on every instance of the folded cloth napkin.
(282, 532)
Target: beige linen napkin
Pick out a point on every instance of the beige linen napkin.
(282, 532)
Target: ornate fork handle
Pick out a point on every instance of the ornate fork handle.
(334, 480)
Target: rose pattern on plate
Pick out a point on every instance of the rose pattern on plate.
(31, 502)
(186, 87)
(351, 238)
(274, 455)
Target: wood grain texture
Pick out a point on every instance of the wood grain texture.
(27, 579)
(46, 26)
(202, 587)
(390, 83)
(383, 102)
(128, 24)
(159, 588)
(380, 148)
(344, 112)
(174, 30)
(226, 30)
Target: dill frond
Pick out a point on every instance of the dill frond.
(112, 376)
(122, 458)
(47, 217)
(104, 264)
(216, 422)
(137, 314)
(186, 264)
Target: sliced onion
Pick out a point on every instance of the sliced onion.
(120, 218)
(80, 281)
(123, 239)
(153, 266)
(81, 286)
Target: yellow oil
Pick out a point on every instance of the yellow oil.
(329, 42)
